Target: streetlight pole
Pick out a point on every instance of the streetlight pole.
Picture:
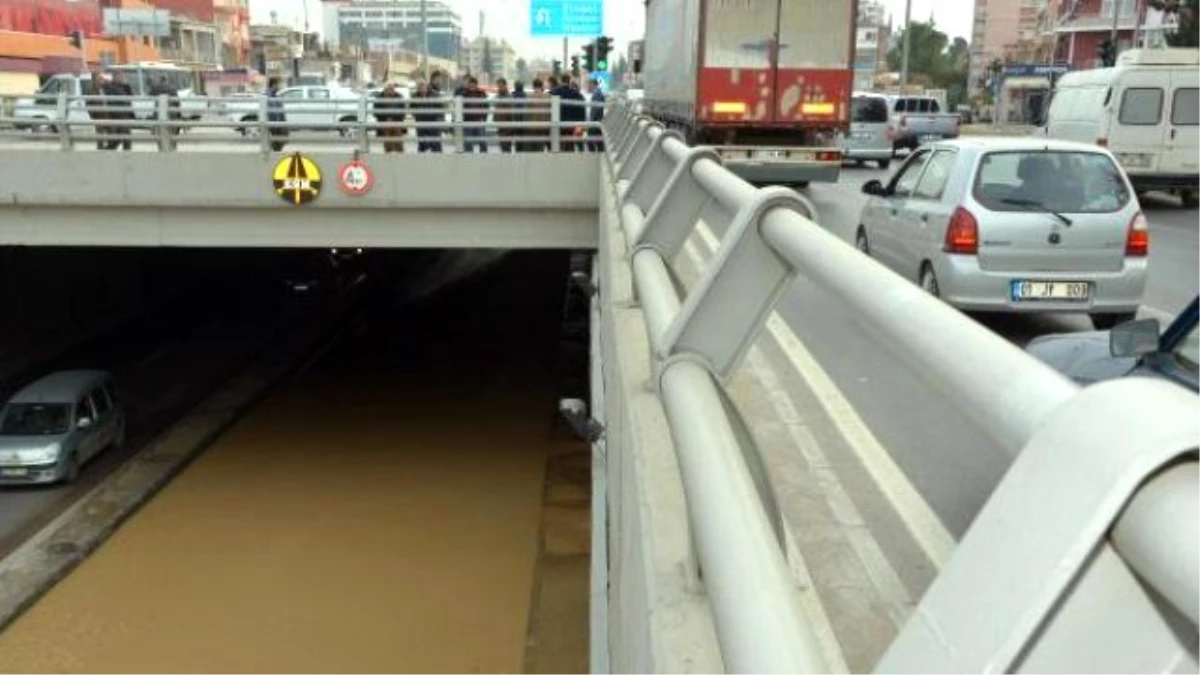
(906, 47)
(425, 40)
(1116, 17)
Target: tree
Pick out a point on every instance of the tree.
(943, 63)
(1186, 12)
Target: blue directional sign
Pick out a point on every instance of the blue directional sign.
(602, 77)
(566, 18)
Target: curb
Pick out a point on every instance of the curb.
(50, 555)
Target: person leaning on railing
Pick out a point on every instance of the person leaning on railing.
(429, 112)
(505, 113)
(539, 111)
(275, 114)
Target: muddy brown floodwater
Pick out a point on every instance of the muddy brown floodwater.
(382, 512)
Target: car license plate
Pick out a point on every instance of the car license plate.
(14, 472)
(769, 154)
(1069, 291)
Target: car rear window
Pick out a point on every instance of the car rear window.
(870, 109)
(1061, 181)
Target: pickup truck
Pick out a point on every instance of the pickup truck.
(315, 105)
(919, 119)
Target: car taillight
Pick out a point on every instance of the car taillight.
(1137, 241)
(829, 156)
(962, 236)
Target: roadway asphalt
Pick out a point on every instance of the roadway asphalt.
(949, 460)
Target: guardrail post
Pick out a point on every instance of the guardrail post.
(639, 127)
(61, 113)
(628, 128)
(363, 123)
(740, 287)
(457, 117)
(555, 124)
(162, 116)
(264, 125)
(649, 172)
(639, 149)
(672, 217)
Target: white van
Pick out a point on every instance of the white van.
(1146, 110)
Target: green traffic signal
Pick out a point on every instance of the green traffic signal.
(602, 65)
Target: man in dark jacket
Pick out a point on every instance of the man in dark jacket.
(572, 112)
(118, 110)
(595, 114)
(475, 112)
(429, 111)
(97, 110)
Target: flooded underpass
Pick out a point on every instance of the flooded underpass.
(407, 501)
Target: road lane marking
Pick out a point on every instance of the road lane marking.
(926, 528)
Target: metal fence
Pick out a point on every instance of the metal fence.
(550, 124)
(1110, 468)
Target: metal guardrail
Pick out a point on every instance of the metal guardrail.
(662, 188)
(518, 125)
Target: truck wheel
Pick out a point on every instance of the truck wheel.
(1188, 197)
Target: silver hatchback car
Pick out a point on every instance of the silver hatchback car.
(52, 427)
(1013, 225)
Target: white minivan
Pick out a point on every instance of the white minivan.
(1146, 110)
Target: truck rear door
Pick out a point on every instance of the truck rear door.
(777, 61)
(815, 72)
(737, 75)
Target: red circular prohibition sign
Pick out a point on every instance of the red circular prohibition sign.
(355, 178)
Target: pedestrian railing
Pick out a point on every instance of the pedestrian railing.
(1099, 505)
(107, 122)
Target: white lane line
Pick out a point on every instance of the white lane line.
(927, 529)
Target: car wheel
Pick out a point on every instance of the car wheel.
(929, 282)
(72, 471)
(884, 164)
(251, 130)
(860, 242)
(1110, 321)
(348, 132)
(1188, 197)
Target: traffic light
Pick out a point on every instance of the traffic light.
(589, 57)
(557, 67)
(76, 38)
(1107, 53)
(603, 45)
(575, 65)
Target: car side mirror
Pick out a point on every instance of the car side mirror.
(874, 187)
(85, 422)
(1134, 338)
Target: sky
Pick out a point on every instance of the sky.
(623, 19)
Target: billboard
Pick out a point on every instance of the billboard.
(137, 22)
(51, 17)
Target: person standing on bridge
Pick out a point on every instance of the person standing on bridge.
(429, 112)
(389, 109)
(275, 115)
(120, 110)
(475, 113)
(572, 113)
(97, 110)
(596, 115)
(505, 114)
(539, 111)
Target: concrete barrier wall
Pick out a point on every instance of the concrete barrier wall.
(659, 619)
(54, 198)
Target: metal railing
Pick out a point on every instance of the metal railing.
(663, 187)
(550, 124)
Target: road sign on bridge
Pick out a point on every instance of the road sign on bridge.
(566, 18)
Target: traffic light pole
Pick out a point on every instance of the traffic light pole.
(566, 57)
(1116, 18)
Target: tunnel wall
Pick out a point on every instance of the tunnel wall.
(51, 298)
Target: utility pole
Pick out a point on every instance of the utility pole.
(1116, 5)
(566, 60)
(425, 40)
(1138, 8)
(906, 47)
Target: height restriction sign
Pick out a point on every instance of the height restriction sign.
(355, 178)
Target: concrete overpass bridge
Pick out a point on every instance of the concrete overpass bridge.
(725, 535)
